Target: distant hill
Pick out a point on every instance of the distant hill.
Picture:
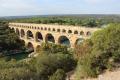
(64, 15)
(87, 20)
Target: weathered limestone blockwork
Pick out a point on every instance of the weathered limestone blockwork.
(71, 32)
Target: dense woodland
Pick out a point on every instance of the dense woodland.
(76, 20)
(89, 59)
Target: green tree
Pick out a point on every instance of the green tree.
(8, 39)
(53, 48)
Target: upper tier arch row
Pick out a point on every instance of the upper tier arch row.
(77, 30)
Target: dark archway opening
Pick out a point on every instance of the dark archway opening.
(22, 33)
(64, 31)
(39, 37)
(64, 41)
(75, 32)
(53, 29)
(69, 31)
(50, 38)
(49, 29)
(29, 35)
(58, 30)
(30, 47)
(82, 33)
(88, 33)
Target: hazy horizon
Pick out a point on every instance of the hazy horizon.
(57, 7)
(63, 15)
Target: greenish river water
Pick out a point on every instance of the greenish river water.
(17, 57)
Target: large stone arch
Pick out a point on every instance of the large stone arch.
(63, 40)
(38, 37)
(17, 32)
(22, 33)
(79, 41)
(30, 35)
(49, 38)
(30, 47)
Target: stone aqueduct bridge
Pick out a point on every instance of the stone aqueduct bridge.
(34, 34)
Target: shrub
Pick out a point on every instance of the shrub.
(46, 65)
(83, 49)
(53, 48)
(104, 54)
(58, 75)
(16, 74)
(13, 70)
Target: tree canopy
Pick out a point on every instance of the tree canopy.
(8, 39)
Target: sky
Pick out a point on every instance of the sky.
(49, 7)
